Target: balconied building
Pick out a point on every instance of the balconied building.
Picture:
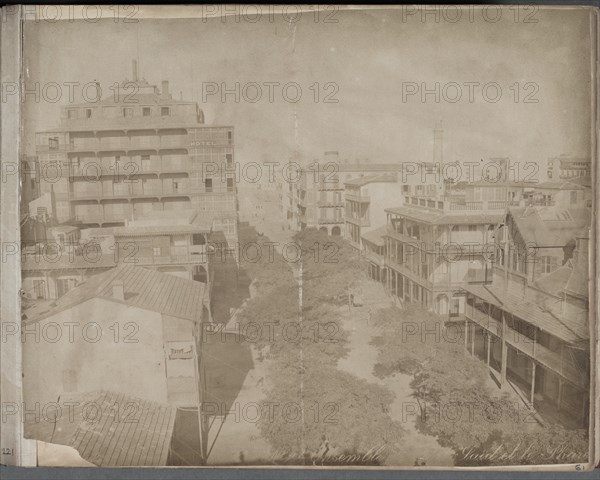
(565, 194)
(178, 243)
(433, 250)
(366, 198)
(136, 151)
(566, 167)
(146, 324)
(530, 324)
(317, 199)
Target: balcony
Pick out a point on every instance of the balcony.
(330, 221)
(174, 141)
(87, 145)
(524, 344)
(183, 255)
(114, 143)
(363, 221)
(330, 203)
(89, 194)
(144, 143)
(467, 206)
(358, 198)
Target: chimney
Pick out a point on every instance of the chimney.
(135, 71)
(438, 144)
(118, 290)
(165, 88)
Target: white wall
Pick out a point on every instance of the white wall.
(114, 362)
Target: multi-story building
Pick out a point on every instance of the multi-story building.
(178, 243)
(366, 198)
(433, 249)
(136, 151)
(317, 199)
(139, 317)
(530, 324)
(566, 194)
(565, 167)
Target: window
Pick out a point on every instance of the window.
(472, 228)
(53, 143)
(62, 286)
(208, 185)
(229, 158)
(164, 111)
(546, 264)
(72, 114)
(146, 111)
(88, 113)
(230, 184)
(128, 112)
(573, 198)
(39, 289)
(156, 251)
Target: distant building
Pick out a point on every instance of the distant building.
(565, 194)
(317, 200)
(137, 151)
(366, 198)
(565, 167)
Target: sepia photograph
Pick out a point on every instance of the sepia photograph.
(300, 236)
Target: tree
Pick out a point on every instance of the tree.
(456, 402)
(309, 401)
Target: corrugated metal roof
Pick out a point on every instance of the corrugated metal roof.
(439, 218)
(144, 288)
(549, 226)
(125, 431)
(375, 236)
(567, 329)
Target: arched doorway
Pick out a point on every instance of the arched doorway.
(337, 231)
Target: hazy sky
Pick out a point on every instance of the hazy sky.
(369, 55)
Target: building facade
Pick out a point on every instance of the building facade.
(133, 153)
(530, 324)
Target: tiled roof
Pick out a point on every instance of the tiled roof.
(144, 288)
(567, 329)
(118, 431)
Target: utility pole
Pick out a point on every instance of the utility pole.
(200, 378)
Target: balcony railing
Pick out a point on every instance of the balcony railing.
(329, 221)
(357, 197)
(525, 344)
(363, 221)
